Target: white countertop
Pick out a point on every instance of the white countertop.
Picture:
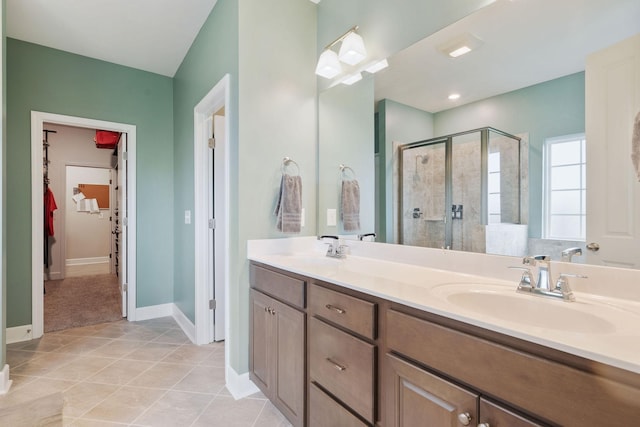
(598, 328)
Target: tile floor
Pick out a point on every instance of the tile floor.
(133, 374)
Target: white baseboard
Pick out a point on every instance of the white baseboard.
(185, 324)
(154, 311)
(5, 382)
(239, 385)
(19, 334)
(86, 261)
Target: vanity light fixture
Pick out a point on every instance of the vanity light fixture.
(352, 52)
(454, 96)
(328, 65)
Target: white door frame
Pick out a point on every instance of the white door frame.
(217, 98)
(37, 228)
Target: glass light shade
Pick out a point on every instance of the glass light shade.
(376, 66)
(349, 80)
(352, 50)
(328, 65)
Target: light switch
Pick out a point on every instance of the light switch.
(187, 217)
(331, 217)
(302, 218)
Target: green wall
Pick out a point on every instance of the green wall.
(548, 109)
(213, 54)
(396, 123)
(53, 81)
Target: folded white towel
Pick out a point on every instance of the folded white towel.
(289, 205)
(350, 205)
(635, 145)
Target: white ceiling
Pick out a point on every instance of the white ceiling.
(525, 42)
(151, 35)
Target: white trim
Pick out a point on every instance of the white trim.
(239, 385)
(168, 310)
(37, 275)
(154, 311)
(87, 261)
(218, 97)
(185, 324)
(19, 334)
(5, 382)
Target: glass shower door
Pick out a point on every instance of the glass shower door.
(466, 207)
(423, 195)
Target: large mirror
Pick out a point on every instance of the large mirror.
(524, 77)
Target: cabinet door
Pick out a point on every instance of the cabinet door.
(289, 390)
(261, 354)
(415, 397)
(494, 415)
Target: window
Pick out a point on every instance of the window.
(564, 213)
(494, 188)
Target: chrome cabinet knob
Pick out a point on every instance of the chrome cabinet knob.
(484, 425)
(464, 419)
(593, 247)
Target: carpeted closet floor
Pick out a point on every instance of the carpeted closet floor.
(81, 301)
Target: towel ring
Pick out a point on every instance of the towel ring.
(344, 169)
(286, 161)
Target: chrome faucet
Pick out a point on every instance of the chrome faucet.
(542, 286)
(569, 253)
(335, 249)
(542, 261)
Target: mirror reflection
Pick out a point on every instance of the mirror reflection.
(524, 76)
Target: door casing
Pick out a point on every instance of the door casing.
(37, 228)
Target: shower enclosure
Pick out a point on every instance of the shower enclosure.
(453, 188)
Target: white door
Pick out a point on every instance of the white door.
(121, 221)
(613, 189)
(216, 212)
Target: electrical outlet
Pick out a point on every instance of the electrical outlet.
(331, 218)
(187, 217)
(302, 218)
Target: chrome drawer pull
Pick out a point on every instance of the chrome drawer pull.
(335, 365)
(336, 309)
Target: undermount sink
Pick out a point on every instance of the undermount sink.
(503, 303)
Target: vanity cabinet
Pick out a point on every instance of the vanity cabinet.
(330, 356)
(277, 342)
(545, 386)
(342, 355)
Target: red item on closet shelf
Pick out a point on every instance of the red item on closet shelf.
(107, 139)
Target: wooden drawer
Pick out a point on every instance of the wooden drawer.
(540, 387)
(497, 416)
(285, 288)
(326, 412)
(349, 312)
(344, 365)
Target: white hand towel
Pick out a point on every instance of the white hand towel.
(635, 145)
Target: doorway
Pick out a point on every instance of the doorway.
(126, 212)
(211, 213)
